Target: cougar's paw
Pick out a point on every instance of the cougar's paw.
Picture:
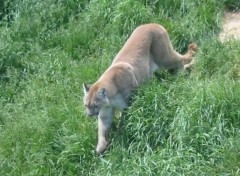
(101, 147)
(192, 47)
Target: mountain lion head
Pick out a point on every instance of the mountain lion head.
(94, 99)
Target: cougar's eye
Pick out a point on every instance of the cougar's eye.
(95, 106)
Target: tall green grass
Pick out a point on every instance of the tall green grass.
(177, 125)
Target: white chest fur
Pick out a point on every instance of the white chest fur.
(118, 102)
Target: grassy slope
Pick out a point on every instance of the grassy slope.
(184, 125)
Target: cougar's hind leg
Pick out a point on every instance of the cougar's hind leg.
(187, 58)
(189, 65)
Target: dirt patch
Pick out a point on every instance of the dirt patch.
(231, 26)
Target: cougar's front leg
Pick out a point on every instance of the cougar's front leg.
(105, 119)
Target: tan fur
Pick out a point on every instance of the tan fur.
(147, 49)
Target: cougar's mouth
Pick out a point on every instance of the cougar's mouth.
(92, 114)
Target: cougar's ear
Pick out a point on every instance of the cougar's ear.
(101, 93)
(86, 88)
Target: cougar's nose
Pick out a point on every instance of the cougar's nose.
(90, 114)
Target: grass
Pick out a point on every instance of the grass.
(178, 125)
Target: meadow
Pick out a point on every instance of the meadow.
(184, 124)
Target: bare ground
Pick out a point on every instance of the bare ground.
(231, 26)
